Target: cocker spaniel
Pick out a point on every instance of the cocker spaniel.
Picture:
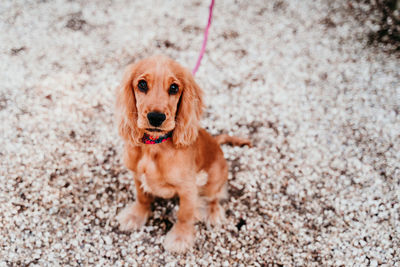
(159, 106)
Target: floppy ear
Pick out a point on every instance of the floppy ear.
(126, 108)
(189, 111)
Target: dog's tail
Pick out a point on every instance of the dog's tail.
(232, 140)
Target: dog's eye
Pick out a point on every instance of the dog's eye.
(173, 89)
(142, 85)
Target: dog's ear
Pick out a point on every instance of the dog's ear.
(126, 108)
(190, 108)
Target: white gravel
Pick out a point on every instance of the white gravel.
(320, 187)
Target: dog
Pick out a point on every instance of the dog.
(159, 106)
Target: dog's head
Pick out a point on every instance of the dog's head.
(157, 96)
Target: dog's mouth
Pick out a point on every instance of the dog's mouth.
(154, 130)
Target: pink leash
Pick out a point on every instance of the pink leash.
(203, 48)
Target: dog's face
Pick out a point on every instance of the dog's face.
(157, 86)
(158, 96)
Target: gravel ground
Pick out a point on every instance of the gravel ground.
(320, 187)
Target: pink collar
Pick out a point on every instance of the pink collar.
(148, 139)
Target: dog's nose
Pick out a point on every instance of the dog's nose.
(156, 118)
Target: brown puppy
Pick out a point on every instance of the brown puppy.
(159, 106)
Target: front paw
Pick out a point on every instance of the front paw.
(180, 238)
(132, 217)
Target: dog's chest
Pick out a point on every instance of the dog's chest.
(148, 165)
(152, 177)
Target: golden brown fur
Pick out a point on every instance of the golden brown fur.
(191, 165)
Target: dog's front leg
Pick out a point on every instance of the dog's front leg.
(135, 215)
(181, 237)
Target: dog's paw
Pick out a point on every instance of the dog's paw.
(132, 217)
(179, 239)
(215, 215)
